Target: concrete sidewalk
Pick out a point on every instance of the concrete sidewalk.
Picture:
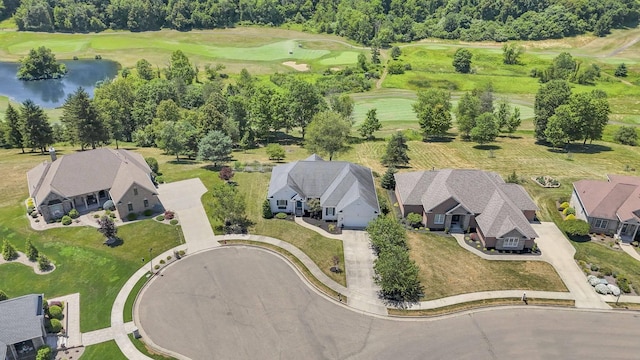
(73, 337)
(628, 248)
(463, 298)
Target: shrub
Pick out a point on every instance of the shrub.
(281, 216)
(112, 215)
(181, 252)
(43, 262)
(56, 326)
(160, 179)
(162, 261)
(44, 352)
(153, 164)
(55, 312)
(414, 219)
(575, 227)
(626, 135)
(226, 173)
(266, 209)
(384, 204)
(98, 57)
(160, 217)
(147, 212)
(594, 267)
(275, 152)
(169, 214)
(569, 211)
(107, 212)
(623, 283)
(606, 270)
(132, 216)
(66, 220)
(173, 222)
(169, 257)
(564, 205)
(8, 251)
(74, 214)
(96, 216)
(156, 267)
(332, 227)
(570, 217)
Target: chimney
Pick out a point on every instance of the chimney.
(52, 152)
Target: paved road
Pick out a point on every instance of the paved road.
(247, 303)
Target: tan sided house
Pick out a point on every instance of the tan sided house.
(461, 200)
(346, 191)
(21, 327)
(610, 207)
(86, 180)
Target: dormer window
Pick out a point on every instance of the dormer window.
(135, 191)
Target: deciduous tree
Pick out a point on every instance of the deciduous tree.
(275, 152)
(467, 112)
(486, 129)
(548, 98)
(180, 68)
(462, 61)
(328, 133)
(145, 70)
(433, 110)
(370, 125)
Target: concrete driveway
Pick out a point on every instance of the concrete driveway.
(184, 197)
(557, 250)
(247, 303)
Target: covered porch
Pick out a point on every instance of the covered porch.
(91, 201)
(627, 231)
(458, 219)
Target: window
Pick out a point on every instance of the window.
(601, 224)
(510, 242)
(439, 219)
(146, 203)
(330, 211)
(130, 206)
(135, 191)
(282, 204)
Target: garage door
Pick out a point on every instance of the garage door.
(356, 220)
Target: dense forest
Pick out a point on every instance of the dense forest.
(377, 22)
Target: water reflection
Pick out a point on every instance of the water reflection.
(52, 93)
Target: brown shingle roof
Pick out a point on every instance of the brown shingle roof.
(619, 198)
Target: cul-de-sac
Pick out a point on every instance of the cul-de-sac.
(319, 179)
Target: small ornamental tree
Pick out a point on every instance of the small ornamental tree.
(31, 251)
(107, 227)
(414, 219)
(266, 209)
(315, 209)
(43, 262)
(275, 152)
(370, 125)
(462, 61)
(626, 135)
(395, 52)
(226, 173)
(8, 251)
(388, 181)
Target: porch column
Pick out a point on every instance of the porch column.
(635, 231)
(86, 206)
(13, 351)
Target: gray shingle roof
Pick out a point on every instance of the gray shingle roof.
(498, 205)
(20, 319)
(335, 183)
(89, 171)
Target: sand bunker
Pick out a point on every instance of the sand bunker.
(296, 66)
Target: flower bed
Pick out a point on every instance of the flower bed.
(546, 181)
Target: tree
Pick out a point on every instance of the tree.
(315, 208)
(82, 120)
(40, 64)
(174, 137)
(466, 114)
(8, 251)
(514, 121)
(370, 125)
(228, 207)
(328, 133)
(3, 296)
(343, 105)
(215, 147)
(145, 70)
(375, 55)
(462, 61)
(107, 227)
(226, 173)
(31, 251)
(396, 152)
(153, 164)
(362, 62)
(37, 133)
(511, 53)
(397, 275)
(592, 112)
(433, 110)
(266, 209)
(555, 133)
(564, 66)
(549, 96)
(388, 180)
(44, 353)
(575, 227)
(43, 262)
(305, 101)
(486, 129)
(14, 135)
(621, 70)
(395, 52)
(513, 178)
(503, 114)
(275, 152)
(626, 135)
(180, 68)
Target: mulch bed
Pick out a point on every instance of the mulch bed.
(477, 244)
(324, 225)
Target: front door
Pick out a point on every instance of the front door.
(625, 229)
(299, 208)
(455, 220)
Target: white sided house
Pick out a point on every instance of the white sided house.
(346, 191)
(87, 180)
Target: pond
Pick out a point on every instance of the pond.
(52, 93)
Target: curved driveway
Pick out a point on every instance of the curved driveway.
(247, 303)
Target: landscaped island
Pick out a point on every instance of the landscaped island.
(40, 64)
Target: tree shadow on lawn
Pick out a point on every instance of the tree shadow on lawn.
(580, 149)
(487, 147)
(183, 162)
(282, 138)
(440, 139)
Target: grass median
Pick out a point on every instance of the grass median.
(480, 304)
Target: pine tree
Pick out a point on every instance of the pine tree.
(15, 128)
(371, 124)
(36, 131)
(31, 251)
(8, 251)
(83, 121)
(388, 181)
(621, 70)
(396, 153)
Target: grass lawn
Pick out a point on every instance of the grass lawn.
(127, 313)
(435, 255)
(142, 347)
(603, 256)
(104, 351)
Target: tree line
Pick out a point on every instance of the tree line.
(378, 22)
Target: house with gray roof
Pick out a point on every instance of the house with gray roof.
(21, 327)
(346, 191)
(86, 180)
(460, 200)
(610, 207)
